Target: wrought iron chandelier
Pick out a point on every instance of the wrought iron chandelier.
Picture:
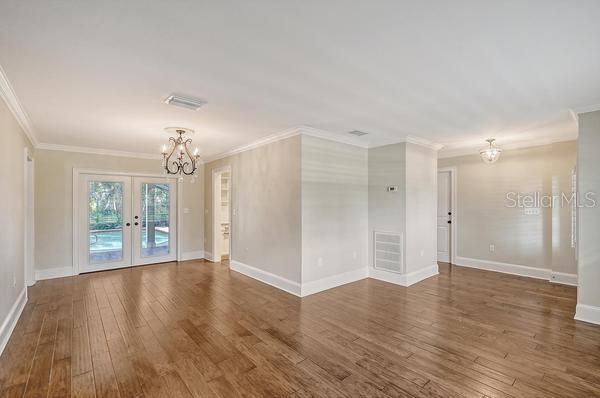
(491, 153)
(177, 158)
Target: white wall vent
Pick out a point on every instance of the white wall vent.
(388, 252)
(357, 133)
(184, 102)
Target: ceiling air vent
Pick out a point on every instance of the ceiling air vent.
(184, 102)
(357, 133)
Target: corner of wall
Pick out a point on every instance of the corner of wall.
(9, 323)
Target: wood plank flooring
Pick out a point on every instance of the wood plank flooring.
(196, 329)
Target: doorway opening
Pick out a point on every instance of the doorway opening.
(221, 184)
(28, 227)
(446, 215)
(124, 220)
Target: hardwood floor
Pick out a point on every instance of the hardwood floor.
(198, 330)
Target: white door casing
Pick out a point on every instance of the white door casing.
(217, 242)
(444, 216)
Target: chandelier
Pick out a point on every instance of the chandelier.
(491, 153)
(177, 158)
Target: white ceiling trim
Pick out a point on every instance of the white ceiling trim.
(287, 133)
(423, 142)
(323, 134)
(14, 105)
(326, 135)
(97, 151)
(586, 109)
(515, 145)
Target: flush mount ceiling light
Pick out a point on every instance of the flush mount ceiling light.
(177, 158)
(491, 153)
(184, 102)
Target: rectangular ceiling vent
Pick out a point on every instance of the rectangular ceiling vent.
(388, 252)
(357, 133)
(183, 101)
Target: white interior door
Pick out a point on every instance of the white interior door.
(104, 222)
(444, 216)
(154, 220)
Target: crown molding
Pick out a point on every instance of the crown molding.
(287, 133)
(585, 109)
(97, 151)
(326, 135)
(14, 105)
(323, 134)
(423, 142)
(474, 150)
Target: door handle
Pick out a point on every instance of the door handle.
(128, 224)
(136, 217)
(136, 223)
(449, 222)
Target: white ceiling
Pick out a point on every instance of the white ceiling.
(94, 73)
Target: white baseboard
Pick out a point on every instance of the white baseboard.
(209, 256)
(563, 278)
(195, 255)
(404, 279)
(588, 313)
(520, 270)
(51, 273)
(330, 282)
(9, 323)
(266, 277)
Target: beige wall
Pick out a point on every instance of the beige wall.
(334, 208)
(266, 206)
(12, 144)
(519, 238)
(54, 202)
(588, 167)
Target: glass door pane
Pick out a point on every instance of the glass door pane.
(105, 221)
(155, 215)
(104, 239)
(155, 220)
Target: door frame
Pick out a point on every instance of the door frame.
(453, 208)
(77, 172)
(215, 229)
(29, 217)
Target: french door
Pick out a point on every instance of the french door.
(126, 221)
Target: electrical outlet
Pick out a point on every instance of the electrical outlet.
(186, 210)
(492, 248)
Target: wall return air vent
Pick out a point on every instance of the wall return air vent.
(184, 102)
(388, 252)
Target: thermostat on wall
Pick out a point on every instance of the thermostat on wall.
(392, 188)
